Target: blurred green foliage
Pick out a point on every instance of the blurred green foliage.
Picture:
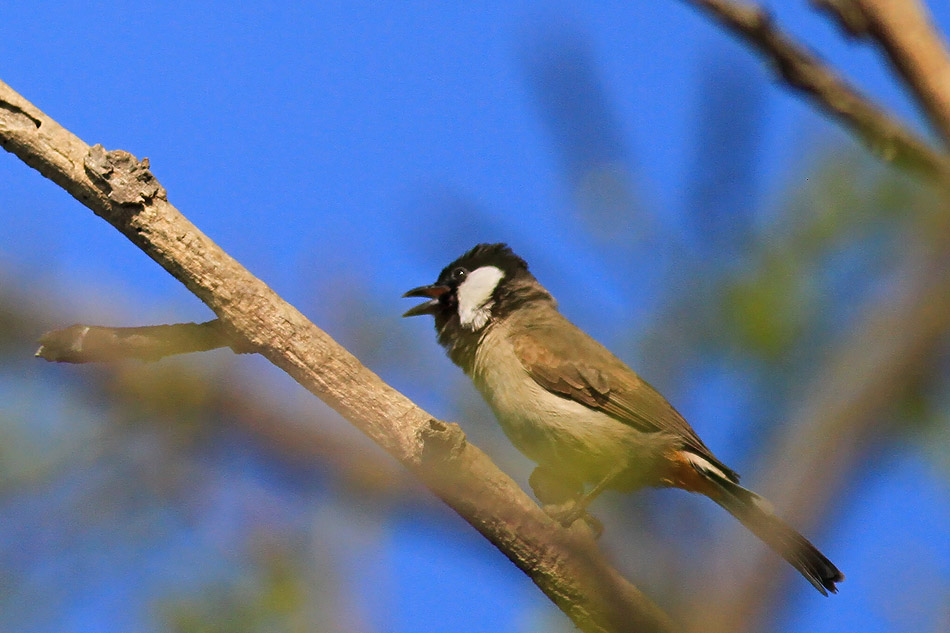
(273, 598)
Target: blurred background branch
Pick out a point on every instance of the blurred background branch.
(884, 135)
(841, 417)
(906, 33)
(848, 407)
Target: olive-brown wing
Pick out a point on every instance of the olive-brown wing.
(566, 361)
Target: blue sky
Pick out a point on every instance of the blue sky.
(367, 144)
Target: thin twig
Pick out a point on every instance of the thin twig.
(97, 343)
(565, 564)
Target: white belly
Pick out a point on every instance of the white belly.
(549, 429)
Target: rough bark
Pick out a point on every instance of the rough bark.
(565, 564)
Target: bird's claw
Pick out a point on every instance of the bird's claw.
(567, 515)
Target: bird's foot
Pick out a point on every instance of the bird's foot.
(568, 513)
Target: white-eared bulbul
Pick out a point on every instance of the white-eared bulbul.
(578, 411)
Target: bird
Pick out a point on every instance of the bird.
(577, 411)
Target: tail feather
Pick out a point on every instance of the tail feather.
(756, 514)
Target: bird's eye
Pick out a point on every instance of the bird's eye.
(459, 274)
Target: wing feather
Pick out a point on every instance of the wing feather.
(566, 361)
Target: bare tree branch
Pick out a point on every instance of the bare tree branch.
(565, 564)
(885, 136)
(907, 34)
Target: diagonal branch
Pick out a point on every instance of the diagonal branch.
(565, 564)
(884, 135)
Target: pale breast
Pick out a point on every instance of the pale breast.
(549, 429)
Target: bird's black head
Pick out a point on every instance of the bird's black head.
(477, 289)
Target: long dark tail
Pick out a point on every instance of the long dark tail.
(756, 514)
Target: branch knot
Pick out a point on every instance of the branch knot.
(124, 179)
(441, 441)
(18, 117)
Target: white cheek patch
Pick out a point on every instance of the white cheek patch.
(474, 295)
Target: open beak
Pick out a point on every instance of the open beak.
(432, 305)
